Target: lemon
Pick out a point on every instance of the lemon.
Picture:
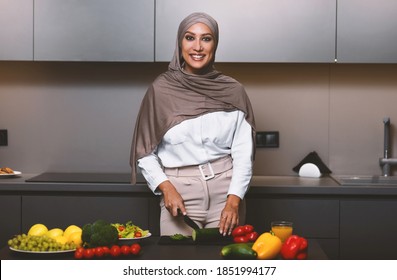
(71, 229)
(61, 239)
(54, 232)
(75, 237)
(38, 230)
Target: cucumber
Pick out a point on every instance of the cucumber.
(206, 234)
(239, 251)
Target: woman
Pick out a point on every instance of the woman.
(194, 136)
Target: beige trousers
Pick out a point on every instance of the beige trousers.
(204, 198)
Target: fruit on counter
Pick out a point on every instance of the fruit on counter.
(244, 234)
(239, 251)
(36, 243)
(115, 251)
(207, 234)
(76, 238)
(267, 246)
(70, 230)
(54, 232)
(129, 230)
(37, 230)
(99, 233)
(294, 248)
(39, 238)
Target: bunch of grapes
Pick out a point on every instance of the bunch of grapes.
(38, 244)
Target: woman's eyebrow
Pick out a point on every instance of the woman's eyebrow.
(204, 34)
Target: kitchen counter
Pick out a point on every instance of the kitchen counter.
(152, 250)
(320, 208)
(263, 185)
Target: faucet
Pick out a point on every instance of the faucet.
(386, 162)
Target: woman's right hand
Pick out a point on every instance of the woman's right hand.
(172, 199)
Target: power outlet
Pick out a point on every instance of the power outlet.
(267, 139)
(3, 137)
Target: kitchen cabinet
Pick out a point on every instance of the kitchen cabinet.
(94, 30)
(10, 217)
(16, 30)
(256, 31)
(366, 31)
(368, 228)
(64, 210)
(313, 218)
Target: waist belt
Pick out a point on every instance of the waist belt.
(206, 171)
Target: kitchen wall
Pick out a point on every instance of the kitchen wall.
(79, 117)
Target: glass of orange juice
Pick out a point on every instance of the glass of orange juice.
(282, 229)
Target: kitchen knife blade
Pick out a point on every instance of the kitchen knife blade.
(188, 221)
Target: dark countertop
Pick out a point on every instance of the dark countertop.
(264, 185)
(152, 250)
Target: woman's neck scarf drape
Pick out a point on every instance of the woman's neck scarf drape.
(176, 96)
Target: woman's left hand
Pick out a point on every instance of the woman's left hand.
(229, 215)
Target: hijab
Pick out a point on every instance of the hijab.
(176, 95)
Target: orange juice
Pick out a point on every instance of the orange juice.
(283, 230)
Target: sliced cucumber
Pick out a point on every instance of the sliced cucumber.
(206, 234)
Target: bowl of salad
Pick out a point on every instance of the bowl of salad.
(130, 233)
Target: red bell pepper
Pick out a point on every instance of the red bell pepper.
(294, 248)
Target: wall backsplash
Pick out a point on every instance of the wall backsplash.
(79, 117)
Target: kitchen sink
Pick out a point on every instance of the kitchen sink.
(364, 180)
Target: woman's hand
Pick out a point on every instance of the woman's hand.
(229, 215)
(172, 199)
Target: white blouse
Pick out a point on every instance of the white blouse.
(202, 139)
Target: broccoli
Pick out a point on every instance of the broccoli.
(99, 233)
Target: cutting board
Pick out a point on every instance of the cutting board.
(167, 240)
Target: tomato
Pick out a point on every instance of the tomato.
(135, 248)
(241, 239)
(79, 254)
(138, 234)
(115, 251)
(125, 250)
(248, 229)
(99, 252)
(121, 228)
(252, 236)
(88, 253)
(238, 231)
(106, 250)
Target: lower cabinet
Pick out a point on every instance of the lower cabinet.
(61, 211)
(368, 228)
(10, 217)
(312, 218)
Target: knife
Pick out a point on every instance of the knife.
(188, 221)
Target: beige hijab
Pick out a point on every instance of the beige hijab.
(176, 96)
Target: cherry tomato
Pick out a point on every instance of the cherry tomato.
(241, 239)
(248, 229)
(99, 252)
(125, 250)
(135, 248)
(238, 231)
(115, 251)
(121, 228)
(88, 253)
(138, 234)
(106, 250)
(252, 236)
(79, 254)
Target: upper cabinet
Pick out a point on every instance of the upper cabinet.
(16, 30)
(367, 31)
(256, 30)
(94, 30)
